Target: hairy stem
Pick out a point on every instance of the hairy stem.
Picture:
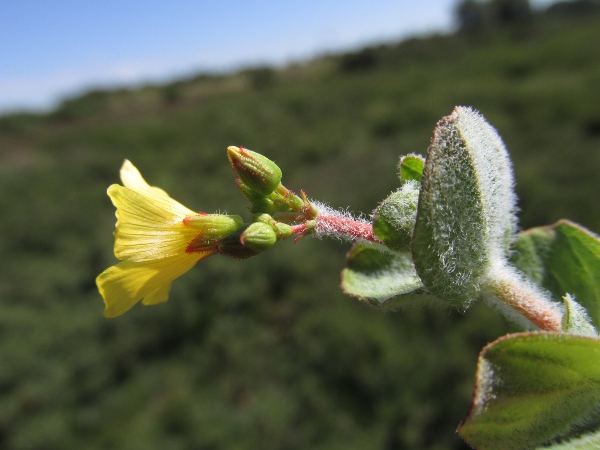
(343, 227)
(527, 302)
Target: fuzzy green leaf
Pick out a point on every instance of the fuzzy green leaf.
(576, 320)
(383, 278)
(411, 168)
(532, 388)
(588, 441)
(465, 218)
(394, 219)
(563, 258)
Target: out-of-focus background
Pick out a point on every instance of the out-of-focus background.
(266, 353)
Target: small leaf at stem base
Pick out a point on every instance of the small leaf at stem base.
(411, 168)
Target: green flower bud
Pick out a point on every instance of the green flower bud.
(282, 230)
(394, 219)
(258, 237)
(247, 191)
(258, 174)
(213, 226)
(295, 203)
(263, 205)
(231, 245)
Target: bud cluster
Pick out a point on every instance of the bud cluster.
(259, 180)
(274, 209)
(277, 213)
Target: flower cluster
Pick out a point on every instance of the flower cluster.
(158, 239)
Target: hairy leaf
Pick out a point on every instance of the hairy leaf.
(564, 259)
(588, 441)
(532, 388)
(383, 278)
(465, 217)
(394, 219)
(576, 320)
(411, 168)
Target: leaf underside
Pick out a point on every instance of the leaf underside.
(588, 442)
(383, 278)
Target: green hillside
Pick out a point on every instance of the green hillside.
(268, 353)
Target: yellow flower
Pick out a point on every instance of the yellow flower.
(157, 239)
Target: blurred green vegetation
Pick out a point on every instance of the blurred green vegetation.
(268, 353)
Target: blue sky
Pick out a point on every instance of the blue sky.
(54, 48)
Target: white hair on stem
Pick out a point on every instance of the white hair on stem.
(340, 224)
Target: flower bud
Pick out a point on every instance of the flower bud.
(247, 191)
(258, 237)
(231, 245)
(294, 202)
(282, 230)
(248, 241)
(258, 174)
(213, 226)
(263, 206)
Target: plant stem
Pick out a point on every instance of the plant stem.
(527, 302)
(343, 227)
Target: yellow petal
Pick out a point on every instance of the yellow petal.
(132, 179)
(125, 284)
(158, 296)
(149, 228)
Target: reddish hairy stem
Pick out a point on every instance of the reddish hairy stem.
(337, 226)
(526, 302)
(299, 229)
(343, 226)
